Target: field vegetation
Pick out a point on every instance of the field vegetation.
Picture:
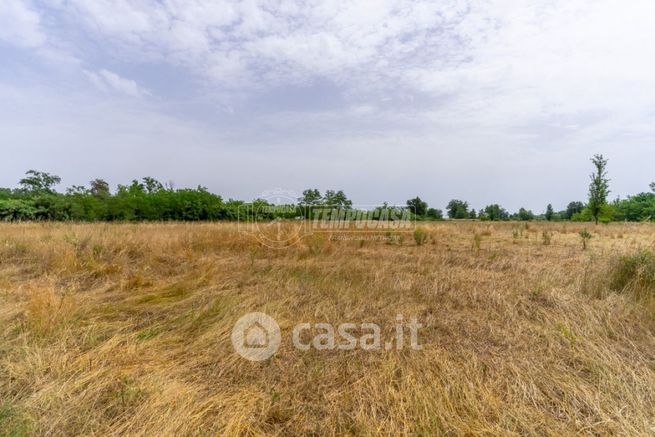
(528, 329)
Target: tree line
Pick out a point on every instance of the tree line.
(150, 200)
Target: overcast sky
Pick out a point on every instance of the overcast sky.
(489, 101)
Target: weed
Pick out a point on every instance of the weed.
(567, 333)
(585, 236)
(420, 236)
(127, 392)
(253, 255)
(477, 242)
(147, 334)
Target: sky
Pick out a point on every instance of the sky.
(489, 101)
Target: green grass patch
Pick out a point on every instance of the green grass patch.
(635, 272)
(14, 423)
(172, 293)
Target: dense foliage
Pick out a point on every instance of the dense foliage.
(148, 199)
(138, 201)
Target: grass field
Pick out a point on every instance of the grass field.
(125, 329)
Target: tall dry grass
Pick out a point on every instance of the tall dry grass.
(125, 329)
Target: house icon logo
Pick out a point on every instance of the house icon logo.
(256, 336)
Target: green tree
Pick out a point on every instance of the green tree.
(599, 187)
(572, 209)
(310, 197)
(39, 182)
(524, 215)
(78, 190)
(152, 185)
(549, 212)
(457, 209)
(337, 199)
(99, 188)
(435, 214)
(636, 208)
(472, 214)
(417, 206)
(495, 212)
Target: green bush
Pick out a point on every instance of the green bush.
(17, 209)
(606, 215)
(420, 236)
(634, 272)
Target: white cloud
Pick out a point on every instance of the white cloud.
(284, 42)
(490, 88)
(486, 50)
(20, 24)
(109, 81)
(503, 58)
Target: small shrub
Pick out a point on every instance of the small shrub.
(585, 236)
(546, 237)
(477, 242)
(567, 333)
(420, 236)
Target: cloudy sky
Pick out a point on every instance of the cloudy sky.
(485, 100)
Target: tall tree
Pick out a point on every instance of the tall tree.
(495, 212)
(652, 186)
(549, 212)
(457, 209)
(152, 185)
(525, 215)
(310, 197)
(435, 214)
(417, 206)
(39, 182)
(77, 190)
(99, 188)
(337, 199)
(599, 187)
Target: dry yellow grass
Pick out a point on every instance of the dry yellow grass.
(125, 329)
